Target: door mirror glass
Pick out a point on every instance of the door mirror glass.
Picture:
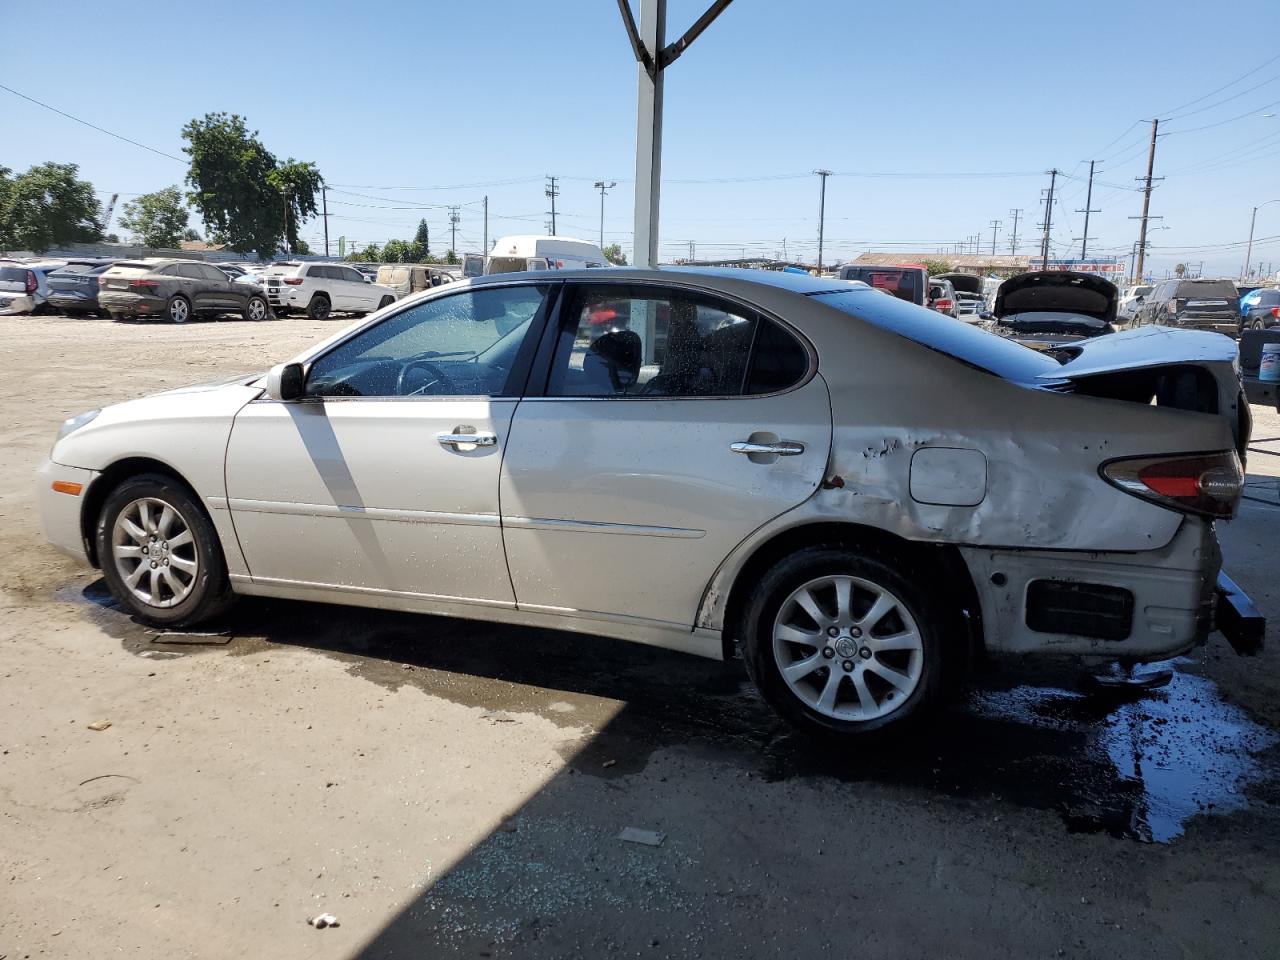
(285, 381)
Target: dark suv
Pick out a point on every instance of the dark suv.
(1194, 304)
(907, 282)
(1260, 309)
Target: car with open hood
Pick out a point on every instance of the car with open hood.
(720, 462)
(971, 302)
(1048, 310)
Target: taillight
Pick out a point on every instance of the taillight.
(293, 281)
(143, 284)
(942, 304)
(1206, 483)
(1275, 312)
(1171, 307)
(32, 283)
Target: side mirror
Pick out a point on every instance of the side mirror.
(368, 279)
(285, 381)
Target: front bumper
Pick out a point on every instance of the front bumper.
(60, 496)
(1174, 593)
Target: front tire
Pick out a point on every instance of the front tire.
(179, 310)
(160, 554)
(1259, 325)
(841, 642)
(386, 302)
(256, 309)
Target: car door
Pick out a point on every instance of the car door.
(193, 286)
(363, 293)
(671, 425)
(383, 479)
(220, 294)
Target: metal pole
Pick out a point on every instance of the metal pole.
(552, 191)
(822, 211)
(324, 200)
(1248, 253)
(602, 187)
(1013, 240)
(652, 34)
(1146, 204)
(1048, 220)
(995, 225)
(485, 249)
(1088, 205)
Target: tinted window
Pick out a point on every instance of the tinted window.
(346, 273)
(191, 271)
(14, 273)
(212, 273)
(320, 273)
(902, 282)
(778, 360)
(635, 341)
(1207, 290)
(463, 345)
(976, 347)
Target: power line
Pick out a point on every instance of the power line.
(92, 126)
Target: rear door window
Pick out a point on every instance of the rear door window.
(190, 271)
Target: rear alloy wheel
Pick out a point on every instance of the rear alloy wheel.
(159, 553)
(179, 310)
(255, 309)
(318, 308)
(840, 642)
(1259, 325)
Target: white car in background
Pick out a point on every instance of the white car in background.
(23, 288)
(855, 492)
(1131, 301)
(320, 289)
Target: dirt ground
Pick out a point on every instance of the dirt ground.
(453, 789)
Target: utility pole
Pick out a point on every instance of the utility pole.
(453, 229)
(822, 211)
(1146, 203)
(1013, 240)
(693, 251)
(995, 225)
(1088, 209)
(485, 249)
(324, 202)
(1248, 253)
(552, 191)
(602, 187)
(784, 248)
(1048, 220)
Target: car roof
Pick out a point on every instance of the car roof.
(800, 283)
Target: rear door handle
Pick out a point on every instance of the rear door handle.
(783, 448)
(473, 438)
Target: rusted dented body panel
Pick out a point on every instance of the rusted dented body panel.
(1026, 495)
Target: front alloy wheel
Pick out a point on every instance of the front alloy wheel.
(255, 309)
(154, 552)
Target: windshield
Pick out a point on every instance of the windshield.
(1207, 290)
(18, 274)
(973, 346)
(902, 282)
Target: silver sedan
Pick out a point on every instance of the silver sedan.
(853, 493)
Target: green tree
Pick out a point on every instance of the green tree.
(451, 258)
(157, 219)
(47, 206)
(613, 253)
(423, 237)
(370, 254)
(298, 183)
(300, 246)
(936, 267)
(248, 200)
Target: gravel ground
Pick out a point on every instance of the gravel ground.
(452, 789)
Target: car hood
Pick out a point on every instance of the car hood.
(1057, 291)
(963, 282)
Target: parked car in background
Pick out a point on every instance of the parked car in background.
(322, 288)
(23, 288)
(407, 278)
(73, 289)
(176, 290)
(1260, 309)
(472, 265)
(970, 302)
(942, 297)
(1051, 310)
(909, 282)
(1194, 304)
(232, 270)
(859, 543)
(1131, 300)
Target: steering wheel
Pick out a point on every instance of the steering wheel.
(438, 378)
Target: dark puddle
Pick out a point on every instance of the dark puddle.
(1136, 765)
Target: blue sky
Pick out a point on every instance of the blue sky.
(899, 100)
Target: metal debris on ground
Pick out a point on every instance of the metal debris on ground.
(99, 725)
(323, 920)
(650, 838)
(192, 637)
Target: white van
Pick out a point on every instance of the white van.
(518, 253)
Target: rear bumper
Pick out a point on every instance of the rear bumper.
(1226, 325)
(1171, 595)
(73, 301)
(131, 303)
(10, 304)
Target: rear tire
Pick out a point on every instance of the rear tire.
(1259, 325)
(153, 532)
(319, 307)
(868, 658)
(386, 302)
(178, 310)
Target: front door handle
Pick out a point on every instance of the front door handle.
(783, 448)
(472, 438)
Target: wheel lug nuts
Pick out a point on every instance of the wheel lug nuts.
(153, 564)
(856, 632)
(848, 666)
(833, 631)
(828, 652)
(865, 653)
